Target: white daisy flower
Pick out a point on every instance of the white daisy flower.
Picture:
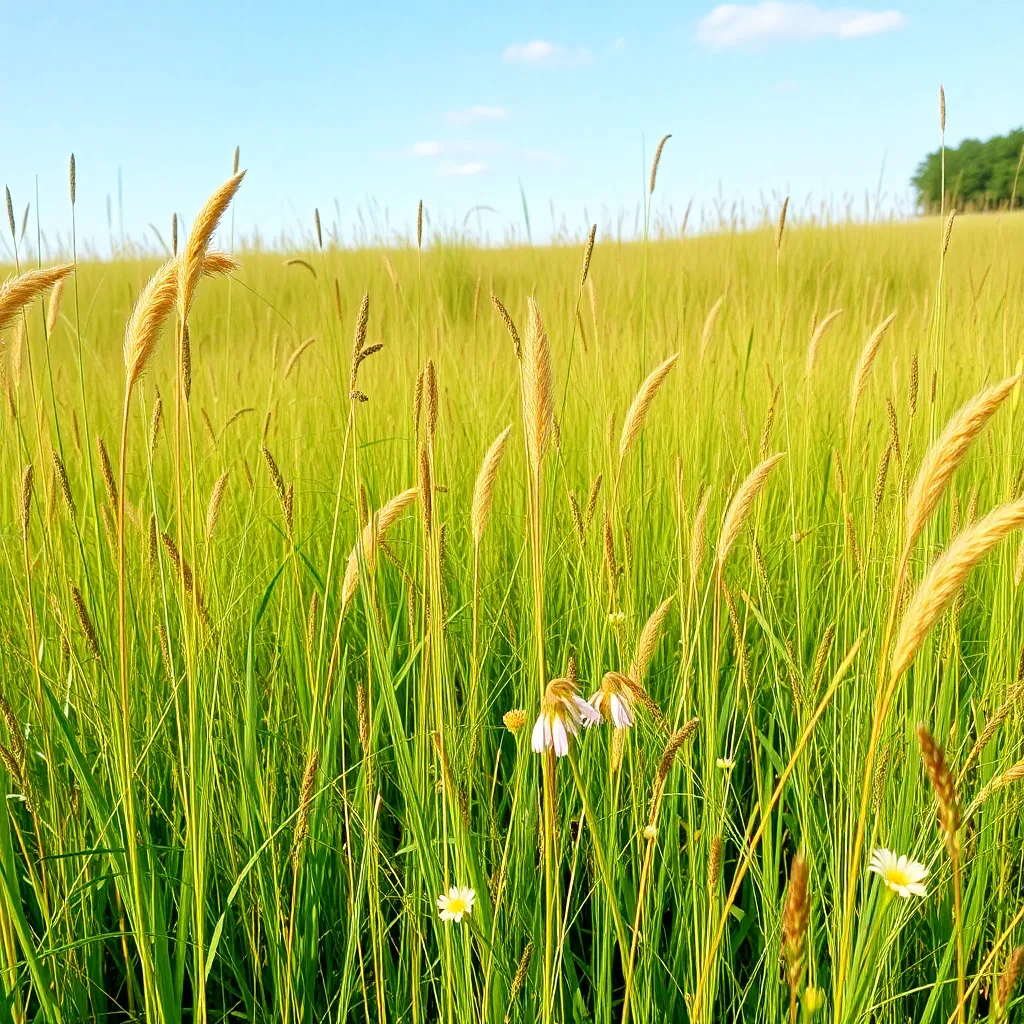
(614, 701)
(903, 876)
(456, 903)
(562, 712)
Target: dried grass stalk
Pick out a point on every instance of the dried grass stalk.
(637, 414)
(216, 501)
(945, 578)
(17, 292)
(739, 508)
(483, 491)
(193, 262)
(537, 408)
(948, 452)
(372, 536)
(815, 342)
(864, 363)
(648, 641)
(655, 162)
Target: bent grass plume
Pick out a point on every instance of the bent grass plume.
(863, 369)
(18, 292)
(945, 579)
(946, 454)
(739, 509)
(815, 342)
(636, 416)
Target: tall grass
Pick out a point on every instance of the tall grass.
(269, 679)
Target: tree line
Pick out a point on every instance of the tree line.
(979, 175)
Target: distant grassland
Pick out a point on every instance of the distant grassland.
(251, 812)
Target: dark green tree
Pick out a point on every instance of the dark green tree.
(981, 175)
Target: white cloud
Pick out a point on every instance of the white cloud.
(426, 148)
(618, 44)
(461, 170)
(773, 21)
(479, 112)
(540, 53)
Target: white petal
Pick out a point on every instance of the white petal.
(541, 735)
(587, 713)
(621, 714)
(560, 738)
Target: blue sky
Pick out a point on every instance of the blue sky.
(353, 104)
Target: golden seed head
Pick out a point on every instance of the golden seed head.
(795, 920)
(948, 231)
(514, 720)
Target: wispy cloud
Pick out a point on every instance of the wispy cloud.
(773, 21)
(541, 53)
(479, 112)
(451, 169)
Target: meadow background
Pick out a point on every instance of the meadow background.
(239, 795)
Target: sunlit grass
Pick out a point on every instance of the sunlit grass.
(335, 655)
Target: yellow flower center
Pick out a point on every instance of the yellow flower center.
(457, 905)
(897, 876)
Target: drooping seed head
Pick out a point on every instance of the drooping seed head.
(655, 162)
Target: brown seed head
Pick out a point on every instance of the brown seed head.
(795, 921)
(656, 161)
(26, 501)
(782, 225)
(675, 741)
(948, 231)
(509, 326)
(65, 486)
(941, 777)
(1008, 979)
(216, 501)
(587, 253)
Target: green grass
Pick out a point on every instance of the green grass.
(242, 894)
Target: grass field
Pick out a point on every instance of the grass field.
(273, 650)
